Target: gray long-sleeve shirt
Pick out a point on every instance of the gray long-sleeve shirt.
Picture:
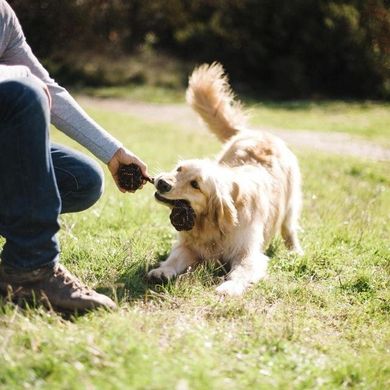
(17, 60)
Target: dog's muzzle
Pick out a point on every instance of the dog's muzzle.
(163, 187)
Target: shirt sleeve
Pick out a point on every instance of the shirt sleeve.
(66, 114)
(13, 72)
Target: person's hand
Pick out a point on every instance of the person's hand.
(44, 87)
(125, 157)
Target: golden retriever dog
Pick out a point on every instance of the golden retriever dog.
(251, 192)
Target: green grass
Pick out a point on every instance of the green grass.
(146, 93)
(320, 321)
(370, 120)
(367, 119)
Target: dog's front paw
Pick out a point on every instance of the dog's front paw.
(162, 273)
(231, 288)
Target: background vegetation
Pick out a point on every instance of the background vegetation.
(295, 48)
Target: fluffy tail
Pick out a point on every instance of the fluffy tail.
(210, 95)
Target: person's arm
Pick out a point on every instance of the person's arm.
(13, 72)
(66, 114)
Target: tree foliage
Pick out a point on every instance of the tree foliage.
(289, 48)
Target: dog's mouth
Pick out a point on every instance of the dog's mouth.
(160, 198)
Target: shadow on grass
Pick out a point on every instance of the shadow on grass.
(272, 249)
(29, 307)
(134, 285)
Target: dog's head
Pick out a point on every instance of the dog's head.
(201, 183)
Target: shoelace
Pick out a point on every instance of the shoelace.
(71, 280)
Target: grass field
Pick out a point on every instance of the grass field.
(320, 321)
(369, 120)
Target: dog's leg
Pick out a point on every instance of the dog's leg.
(177, 262)
(291, 240)
(290, 233)
(290, 223)
(244, 272)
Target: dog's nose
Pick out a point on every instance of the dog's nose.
(163, 186)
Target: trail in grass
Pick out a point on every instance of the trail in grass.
(183, 116)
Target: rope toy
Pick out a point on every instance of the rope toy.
(130, 177)
(182, 215)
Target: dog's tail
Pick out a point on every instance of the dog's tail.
(210, 95)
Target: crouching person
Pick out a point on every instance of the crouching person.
(40, 180)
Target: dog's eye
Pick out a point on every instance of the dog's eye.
(194, 184)
(178, 169)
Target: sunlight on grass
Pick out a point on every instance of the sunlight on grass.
(319, 321)
(369, 120)
(146, 93)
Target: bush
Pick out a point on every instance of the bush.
(292, 49)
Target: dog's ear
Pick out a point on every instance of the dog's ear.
(222, 210)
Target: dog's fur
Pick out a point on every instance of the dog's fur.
(250, 193)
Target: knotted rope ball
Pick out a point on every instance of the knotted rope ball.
(182, 215)
(130, 177)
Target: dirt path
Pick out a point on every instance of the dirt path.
(181, 115)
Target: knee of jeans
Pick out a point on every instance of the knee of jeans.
(25, 92)
(93, 185)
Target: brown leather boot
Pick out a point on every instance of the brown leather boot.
(54, 286)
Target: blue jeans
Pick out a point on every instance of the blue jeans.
(38, 180)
